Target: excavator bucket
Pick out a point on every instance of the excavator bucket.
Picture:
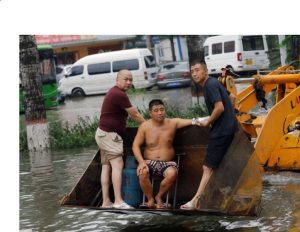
(234, 189)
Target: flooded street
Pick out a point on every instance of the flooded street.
(90, 106)
(45, 178)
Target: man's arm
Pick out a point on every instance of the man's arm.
(180, 122)
(215, 114)
(132, 111)
(136, 148)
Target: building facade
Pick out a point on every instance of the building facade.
(70, 48)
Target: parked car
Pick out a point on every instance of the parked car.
(174, 74)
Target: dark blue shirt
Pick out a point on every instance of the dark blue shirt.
(226, 124)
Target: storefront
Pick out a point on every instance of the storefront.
(70, 48)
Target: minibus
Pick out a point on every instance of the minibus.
(236, 52)
(96, 74)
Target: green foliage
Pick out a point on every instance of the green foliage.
(292, 44)
(82, 134)
(134, 91)
(273, 51)
(63, 135)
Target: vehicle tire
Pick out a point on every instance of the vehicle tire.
(78, 92)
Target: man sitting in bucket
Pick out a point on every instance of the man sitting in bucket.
(157, 134)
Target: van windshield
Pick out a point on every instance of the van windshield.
(76, 70)
(251, 43)
(149, 61)
(206, 51)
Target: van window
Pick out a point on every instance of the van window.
(216, 48)
(149, 61)
(76, 70)
(251, 43)
(229, 46)
(206, 51)
(99, 68)
(126, 64)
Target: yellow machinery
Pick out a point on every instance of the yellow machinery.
(277, 133)
(235, 187)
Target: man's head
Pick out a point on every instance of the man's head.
(157, 110)
(124, 79)
(199, 71)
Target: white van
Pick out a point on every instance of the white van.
(96, 74)
(236, 52)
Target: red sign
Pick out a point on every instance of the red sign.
(51, 39)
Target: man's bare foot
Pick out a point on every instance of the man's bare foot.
(159, 202)
(150, 204)
(106, 205)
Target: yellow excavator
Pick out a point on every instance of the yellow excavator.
(235, 187)
(277, 132)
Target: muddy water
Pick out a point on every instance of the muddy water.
(90, 106)
(44, 179)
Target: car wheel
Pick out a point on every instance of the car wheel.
(78, 92)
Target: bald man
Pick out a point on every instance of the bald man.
(114, 113)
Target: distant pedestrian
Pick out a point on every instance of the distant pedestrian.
(112, 124)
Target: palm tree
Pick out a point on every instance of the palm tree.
(35, 113)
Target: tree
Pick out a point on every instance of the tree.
(35, 113)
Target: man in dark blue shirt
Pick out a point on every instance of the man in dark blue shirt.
(222, 123)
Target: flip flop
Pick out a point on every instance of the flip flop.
(107, 207)
(123, 205)
(163, 206)
(188, 206)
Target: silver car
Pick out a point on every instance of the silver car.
(174, 74)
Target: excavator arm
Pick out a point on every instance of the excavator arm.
(277, 132)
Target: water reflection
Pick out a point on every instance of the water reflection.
(45, 179)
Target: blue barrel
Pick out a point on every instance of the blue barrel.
(131, 190)
(130, 162)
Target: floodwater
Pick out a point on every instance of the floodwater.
(45, 178)
(90, 106)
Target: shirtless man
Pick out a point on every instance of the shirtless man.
(157, 134)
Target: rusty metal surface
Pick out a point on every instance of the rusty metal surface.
(88, 186)
(235, 187)
(228, 191)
